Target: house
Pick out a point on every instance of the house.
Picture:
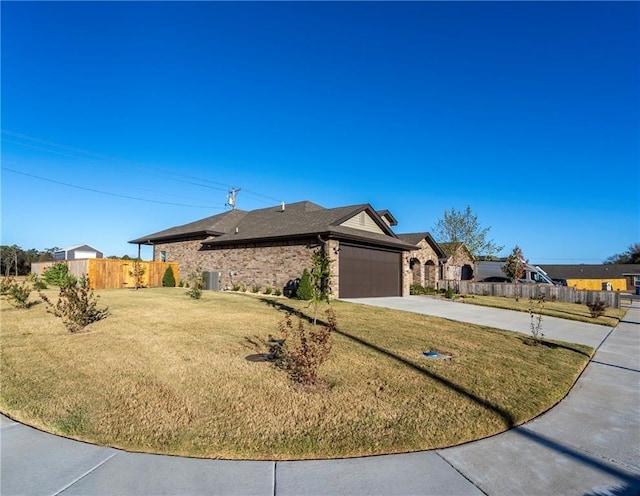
(426, 260)
(77, 252)
(270, 246)
(459, 262)
(620, 277)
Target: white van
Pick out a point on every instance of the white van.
(492, 272)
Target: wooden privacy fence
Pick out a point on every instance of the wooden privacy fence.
(552, 293)
(104, 273)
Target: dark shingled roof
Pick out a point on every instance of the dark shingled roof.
(210, 226)
(583, 271)
(415, 238)
(301, 219)
(389, 216)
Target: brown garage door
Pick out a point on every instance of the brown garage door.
(366, 272)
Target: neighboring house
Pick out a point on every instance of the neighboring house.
(270, 246)
(425, 260)
(621, 277)
(77, 252)
(458, 264)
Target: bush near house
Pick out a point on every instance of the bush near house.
(168, 279)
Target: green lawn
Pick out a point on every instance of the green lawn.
(167, 374)
(570, 311)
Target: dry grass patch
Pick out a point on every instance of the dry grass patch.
(569, 311)
(167, 374)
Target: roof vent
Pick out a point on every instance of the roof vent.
(282, 206)
(237, 230)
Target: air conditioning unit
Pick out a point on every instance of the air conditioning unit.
(213, 280)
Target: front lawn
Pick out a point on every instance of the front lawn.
(570, 311)
(167, 374)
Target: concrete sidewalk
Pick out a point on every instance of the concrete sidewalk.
(586, 445)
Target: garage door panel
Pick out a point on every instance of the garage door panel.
(367, 272)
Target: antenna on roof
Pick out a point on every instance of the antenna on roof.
(231, 198)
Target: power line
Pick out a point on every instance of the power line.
(107, 192)
(192, 179)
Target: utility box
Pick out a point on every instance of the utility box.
(606, 286)
(213, 280)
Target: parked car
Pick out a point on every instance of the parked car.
(496, 279)
(559, 282)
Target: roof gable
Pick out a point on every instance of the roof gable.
(415, 238)
(75, 247)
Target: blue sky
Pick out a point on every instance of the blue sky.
(527, 112)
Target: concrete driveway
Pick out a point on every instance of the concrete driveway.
(587, 445)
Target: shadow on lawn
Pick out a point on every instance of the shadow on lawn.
(506, 417)
(630, 482)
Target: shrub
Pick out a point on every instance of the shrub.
(277, 292)
(305, 291)
(77, 306)
(255, 288)
(58, 274)
(304, 349)
(267, 290)
(417, 289)
(236, 287)
(449, 293)
(168, 279)
(18, 295)
(195, 283)
(195, 292)
(597, 308)
(6, 283)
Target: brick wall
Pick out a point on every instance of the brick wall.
(423, 273)
(265, 264)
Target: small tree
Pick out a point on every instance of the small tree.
(77, 306)
(168, 279)
(58, 274)
(137, 272)
(320, 280)
(196, 283)
(18, 295)
(305, 290)
(514, 267)
(535, 314)
(303, 349)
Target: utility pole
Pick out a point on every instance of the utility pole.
(231, 198)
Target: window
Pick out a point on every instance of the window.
(163, 256)
(636, 280)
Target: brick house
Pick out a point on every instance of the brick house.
(458, 264)
(426, 260)
(270, 246)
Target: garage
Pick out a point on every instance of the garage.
(369, 272)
